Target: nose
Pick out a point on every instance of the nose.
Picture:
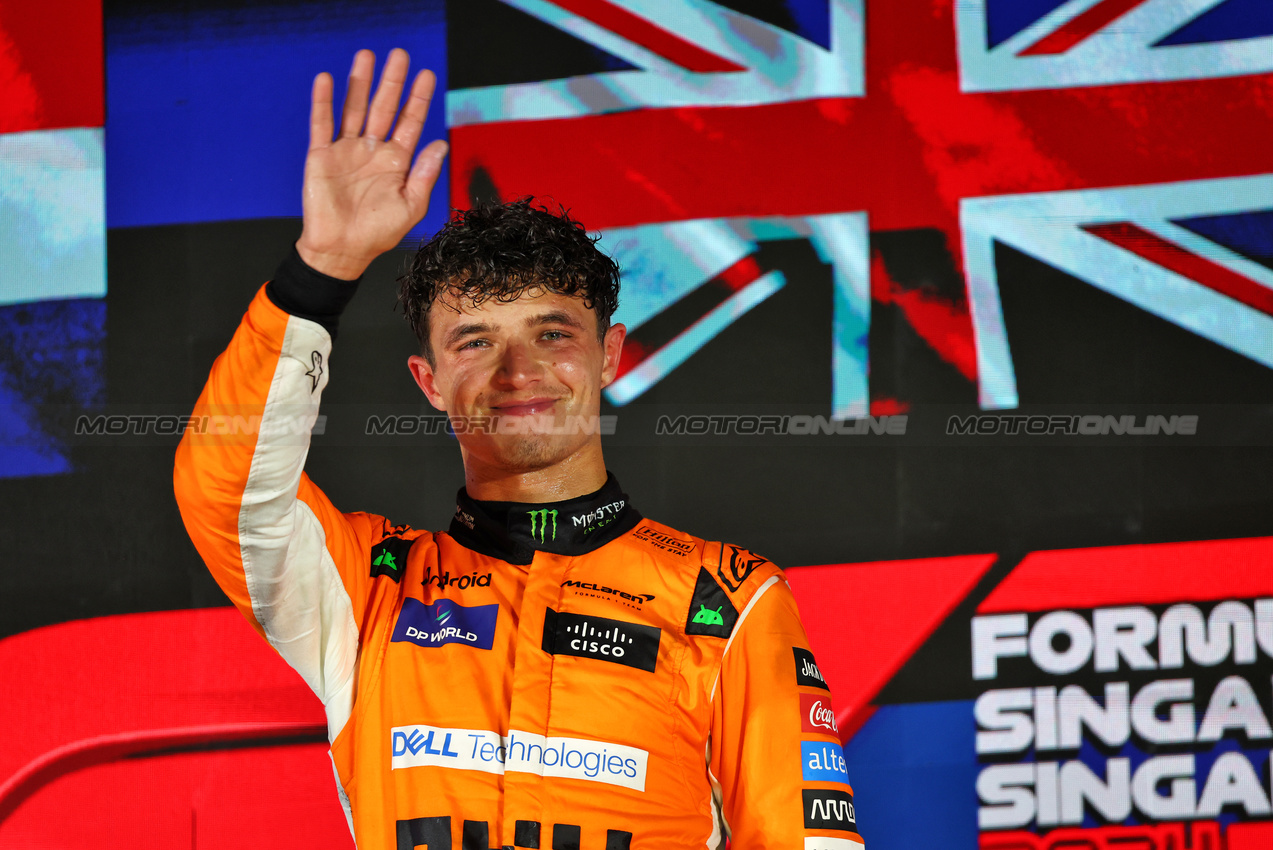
(518, 367)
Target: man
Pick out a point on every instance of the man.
(554, 670)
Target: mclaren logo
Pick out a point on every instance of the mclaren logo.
(600, 591)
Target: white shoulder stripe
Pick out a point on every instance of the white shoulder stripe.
(770, 582)
(297, 594)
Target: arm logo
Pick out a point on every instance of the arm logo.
(828, 809)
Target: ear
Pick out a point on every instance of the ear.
(613, 345)
(426, 379)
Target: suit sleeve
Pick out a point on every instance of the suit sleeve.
(283, 554)
(780, 772)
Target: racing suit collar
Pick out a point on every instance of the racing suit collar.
(514, 531)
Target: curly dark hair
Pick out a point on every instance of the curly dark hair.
(499, 250)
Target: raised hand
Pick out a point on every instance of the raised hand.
(362, 193)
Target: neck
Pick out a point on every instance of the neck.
(515, 531)
(579, 474)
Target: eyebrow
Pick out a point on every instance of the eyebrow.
(468, 329)
(556, 317)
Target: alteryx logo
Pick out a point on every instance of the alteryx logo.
(446, 622)
(823, 762)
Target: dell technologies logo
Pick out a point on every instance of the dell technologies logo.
(519, 752)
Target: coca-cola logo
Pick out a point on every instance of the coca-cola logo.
(817, 715)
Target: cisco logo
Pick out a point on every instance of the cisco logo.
(600, 638)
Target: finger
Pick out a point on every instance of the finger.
(356, 94)
(411, 122)
(384, 106)
(424, 174)
(320, 112)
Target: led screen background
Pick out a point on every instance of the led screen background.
(52, 229)
(834, 209)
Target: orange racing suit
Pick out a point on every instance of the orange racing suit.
(564, 675)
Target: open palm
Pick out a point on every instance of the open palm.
(362, 193)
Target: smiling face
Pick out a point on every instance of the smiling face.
(521, 381)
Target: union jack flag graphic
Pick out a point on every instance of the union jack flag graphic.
(1009, 45)
(1192, 252)
(678, 53)
(694, 131)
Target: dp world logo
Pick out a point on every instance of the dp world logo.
(540, 529)
(445, 622)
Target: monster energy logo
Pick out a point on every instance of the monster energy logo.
(539, 525)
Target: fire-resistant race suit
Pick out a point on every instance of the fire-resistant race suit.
(564, 675)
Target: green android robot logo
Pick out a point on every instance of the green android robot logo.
(708, 617)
